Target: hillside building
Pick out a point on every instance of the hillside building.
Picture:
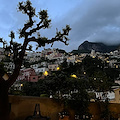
(28, 75)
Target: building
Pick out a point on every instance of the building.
(34, 66)
(41, 70)
(93, 54)
(44, 64)
(117, 96)
(28, 75)
(103, 95)
(112, 63)
(71, 59)
(47, 52)
(33, 56)
(53, 67)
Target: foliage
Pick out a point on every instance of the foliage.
(80, 102)
(44, 95)
(100, 82)
(31, 89)
(112, 73)
(99, 77)
(26, 64)
(92, 65)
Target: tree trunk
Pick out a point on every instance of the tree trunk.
(4, 102)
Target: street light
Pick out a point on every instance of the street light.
(21, 86)
(58, 68)
(45, 73)
(84, 73)
(74, 76)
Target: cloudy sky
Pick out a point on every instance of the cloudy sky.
(92, 20)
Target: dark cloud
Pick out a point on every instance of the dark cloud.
(92, 20)
(95, 21)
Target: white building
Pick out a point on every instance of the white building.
(46, 52)
(112, 63)
(103, 95)
(33, 56)
(44, 64)
(53, 67)
(34, 66)
(71, 59)
(40, 70)
(93, 54)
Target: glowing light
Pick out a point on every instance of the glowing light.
(21, 85)
(45, 73)
(58, 68)
(116, 66)
(84, 73)
(9, 54)
(74, 76)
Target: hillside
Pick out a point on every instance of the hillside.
(86, 47)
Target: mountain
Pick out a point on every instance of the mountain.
(86, 47)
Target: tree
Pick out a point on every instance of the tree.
(17, 50)
(100, 82)
(31, 89)
(92, 65)
(71, 91)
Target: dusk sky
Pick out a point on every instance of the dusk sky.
(92, 20)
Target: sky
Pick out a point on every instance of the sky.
(91, 20)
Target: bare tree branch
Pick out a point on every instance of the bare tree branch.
(18, 50)
(18, 64)
(59, 37)
(44, 22)
(26, 8)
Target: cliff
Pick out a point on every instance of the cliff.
(99, 47)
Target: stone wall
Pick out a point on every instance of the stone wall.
(23, 106)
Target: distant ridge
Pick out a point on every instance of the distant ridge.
(86, 47)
